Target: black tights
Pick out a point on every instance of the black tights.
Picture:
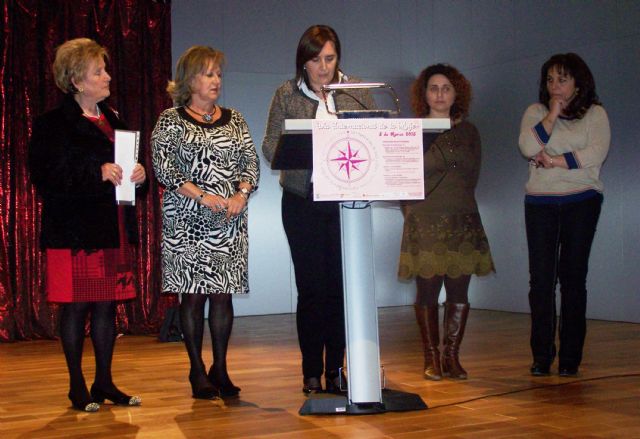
(220, 325)
(103, 336)
(428, 290)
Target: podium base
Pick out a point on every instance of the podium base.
(392, 401)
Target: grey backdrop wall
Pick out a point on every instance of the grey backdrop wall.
(499, 45)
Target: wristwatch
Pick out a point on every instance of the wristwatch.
(244, 193)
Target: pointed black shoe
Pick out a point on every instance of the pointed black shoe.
(540, 370)
(86, 404)
(114, 395)
(336, 382)
(311, 385)
(226, 387)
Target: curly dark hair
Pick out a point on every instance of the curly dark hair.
(462, 86)
(571, 64)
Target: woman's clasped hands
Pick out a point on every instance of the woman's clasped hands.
(234, 205)
(544, 160)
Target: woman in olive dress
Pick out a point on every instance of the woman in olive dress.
(443, 240)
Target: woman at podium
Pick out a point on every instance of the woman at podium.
(443, 240)
(313, 228)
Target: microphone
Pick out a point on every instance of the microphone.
(361, 86)
(358, 101)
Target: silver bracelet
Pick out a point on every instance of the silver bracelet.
(244, 193)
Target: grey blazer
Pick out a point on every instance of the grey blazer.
(290, 103)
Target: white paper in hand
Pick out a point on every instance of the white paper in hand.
(126, 146)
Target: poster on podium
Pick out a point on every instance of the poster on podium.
(367, 159)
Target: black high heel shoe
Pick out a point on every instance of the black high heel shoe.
(114, 395)
(226, 387)
(85, 404)
(202, 388)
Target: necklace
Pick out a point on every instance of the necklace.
(207, 117)
(93, 117)
(97, 119)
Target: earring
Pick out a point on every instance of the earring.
(81, 90)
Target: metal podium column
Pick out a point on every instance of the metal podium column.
(361, 311)
(365, 394)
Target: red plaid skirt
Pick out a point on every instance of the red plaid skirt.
(91, 275)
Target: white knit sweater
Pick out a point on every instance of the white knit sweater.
(583, 142)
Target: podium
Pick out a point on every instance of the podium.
(366, 394)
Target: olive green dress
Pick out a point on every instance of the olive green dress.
(443, 234)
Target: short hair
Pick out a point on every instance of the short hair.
(570, 64)
(462, 86)
(310, 45)
(72, 61)
(194, 60)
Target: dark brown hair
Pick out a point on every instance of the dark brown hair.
(571, 64)
(460, 107)
(310, 45)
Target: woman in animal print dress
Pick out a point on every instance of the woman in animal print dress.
(204, 157)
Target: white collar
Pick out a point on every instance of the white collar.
(308, 92)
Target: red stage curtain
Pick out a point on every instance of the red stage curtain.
(137, 35)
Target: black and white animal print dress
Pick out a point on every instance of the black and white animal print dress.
(202, 252)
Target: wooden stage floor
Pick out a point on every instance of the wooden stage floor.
(499, 400)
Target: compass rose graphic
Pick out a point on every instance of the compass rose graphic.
(352, 160)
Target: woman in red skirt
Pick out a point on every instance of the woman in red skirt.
(86, 235)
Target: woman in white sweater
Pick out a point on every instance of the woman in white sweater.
(566, 139)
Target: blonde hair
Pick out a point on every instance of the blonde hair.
(72, 61)
(194, 60)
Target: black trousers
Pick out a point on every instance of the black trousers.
(313, 232)
(559, 237)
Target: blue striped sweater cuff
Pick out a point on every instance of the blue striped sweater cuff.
(572, 163)
(541, 133)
